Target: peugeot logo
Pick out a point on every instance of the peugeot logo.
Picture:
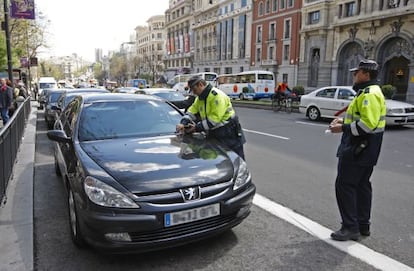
(190, 193)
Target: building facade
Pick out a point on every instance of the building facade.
(179, 56)
(335, 35)
(275, 38)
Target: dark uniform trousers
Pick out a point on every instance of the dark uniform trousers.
(354, 194)
(231, 135)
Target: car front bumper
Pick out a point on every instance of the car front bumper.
(399, 120)
(147, 231)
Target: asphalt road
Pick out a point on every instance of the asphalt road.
(293, 164)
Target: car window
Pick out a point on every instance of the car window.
(171, 96)
(345, 94)
(69, 117)
(326, 93)
(114, 119)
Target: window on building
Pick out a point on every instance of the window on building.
(243, 3)
(259, 34)
(274, 5)
(286, 33)
(282, 4)
(271, 52)
(260, 11)
(350, 9)
(290, 3)
(285, 77)
(272, 31)
(314, 17)
(258, 55)
(267, 6)
(286, 52)
(340, 11)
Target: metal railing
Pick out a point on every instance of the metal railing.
(10, 138)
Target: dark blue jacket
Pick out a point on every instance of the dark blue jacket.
(6, 97)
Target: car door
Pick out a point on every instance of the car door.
(326, 101)
(343, 98)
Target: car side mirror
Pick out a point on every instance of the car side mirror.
(58, 136)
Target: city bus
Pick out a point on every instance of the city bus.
(252, 85)
(179, 82)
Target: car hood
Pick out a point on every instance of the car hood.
(161, 163)
(397, 104)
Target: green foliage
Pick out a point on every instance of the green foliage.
(388, 90)
(299, 90)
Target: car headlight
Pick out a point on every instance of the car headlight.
(105, 195)
(395, 111)
(243, 175)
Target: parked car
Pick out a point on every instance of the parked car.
(326, 102)
(133, 184)
(50, 105)
(69, 94)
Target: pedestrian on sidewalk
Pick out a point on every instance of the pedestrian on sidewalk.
(6, 100)
(362, 131)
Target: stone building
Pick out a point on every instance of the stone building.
(150, 48)
(335, 35)
(178, 19)
(222, 31)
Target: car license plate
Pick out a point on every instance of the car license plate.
(190, 215)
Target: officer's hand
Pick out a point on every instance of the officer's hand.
(336, 128)
(180, 128)
(190, 128)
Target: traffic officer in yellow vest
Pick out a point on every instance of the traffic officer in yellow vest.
(213, 113)
(362, 130)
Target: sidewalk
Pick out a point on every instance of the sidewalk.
(16, 216)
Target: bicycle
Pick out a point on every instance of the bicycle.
(284, 103)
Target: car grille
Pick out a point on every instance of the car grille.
(409, 110)
(172, 197)
(184, 229)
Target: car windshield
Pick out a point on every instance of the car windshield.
(116, 119)
(171, 96)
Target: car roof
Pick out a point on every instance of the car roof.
(113, 97)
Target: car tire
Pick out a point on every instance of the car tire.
(75, 231)
(241, 96)
(57, 169)
(313, 113)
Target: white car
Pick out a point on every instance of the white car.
(329, 102)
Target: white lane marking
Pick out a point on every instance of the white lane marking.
(312, 124)
(266, 134)
(355, 249)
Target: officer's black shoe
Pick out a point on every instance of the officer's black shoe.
(344, 235)
(364, 230)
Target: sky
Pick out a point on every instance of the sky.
(81, 26)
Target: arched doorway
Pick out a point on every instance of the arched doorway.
(396, 73)
(395, 57)
(349, 57)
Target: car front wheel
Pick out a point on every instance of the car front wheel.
(75, 232)
(313, 113)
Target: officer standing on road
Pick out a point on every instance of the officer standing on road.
(362, 131)
(217, 117)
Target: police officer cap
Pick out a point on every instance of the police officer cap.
(193, 81)
(366, 65)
